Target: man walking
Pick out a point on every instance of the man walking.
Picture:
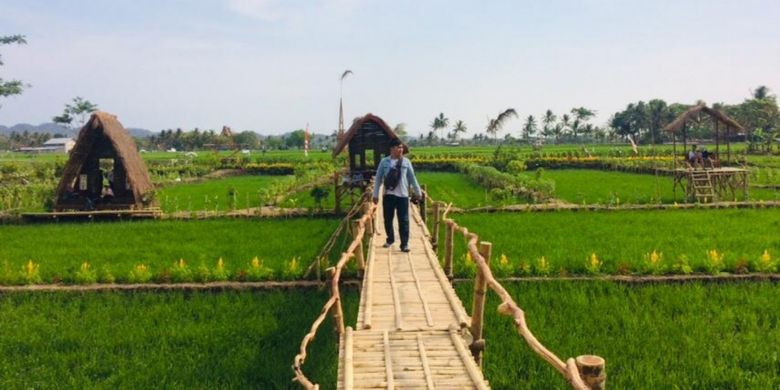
(396, 173)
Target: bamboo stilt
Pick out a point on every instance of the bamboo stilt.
(478, 310)
(435, 232)
(359, 256)
(448, 241)
(592, 371)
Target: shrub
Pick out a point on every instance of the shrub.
(181, 273)
(257, 271)
(220, 273)
(30, 273)
(139, 274)
(86, 274)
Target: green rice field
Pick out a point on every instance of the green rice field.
(215, 194)
(623, 240)
(586, 186)
(173, 340)
(60, 249)
(459, 189)
(671, 336)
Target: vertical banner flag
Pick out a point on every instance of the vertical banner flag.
(306, 138)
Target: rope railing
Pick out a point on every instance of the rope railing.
(333, 305)
(586, 372)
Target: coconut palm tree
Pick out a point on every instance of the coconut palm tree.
(439, 122)
(529, 128)
(460, 127)
(495, 125)
(547, 123)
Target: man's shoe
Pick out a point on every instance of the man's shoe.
(405, 249)
(387, 245)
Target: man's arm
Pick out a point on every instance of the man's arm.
(380, 175)
(412, 179)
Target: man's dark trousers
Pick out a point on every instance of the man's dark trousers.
(392, 203)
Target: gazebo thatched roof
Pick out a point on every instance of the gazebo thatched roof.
(680, 121)
(123, 144)
(356, 126)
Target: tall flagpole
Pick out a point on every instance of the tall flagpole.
(340, 134)
(306, 139)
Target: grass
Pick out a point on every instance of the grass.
(686, 336)
(60, 249)
(585, 186)
(184, 340)
(460, 190)
(602, 187)
(622, 240)
(214, 194)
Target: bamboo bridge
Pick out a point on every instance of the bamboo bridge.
(412, 330)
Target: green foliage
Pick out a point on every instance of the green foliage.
(11, 87)
(626, 240)
(145, 340)
(257, 271)
(105, 275)
(61, 248)
(86, 274)
(30, 273)
(79, 109)
(181, 272)
(202, 274)
(292, 269)
(652, 336)
(140, 273)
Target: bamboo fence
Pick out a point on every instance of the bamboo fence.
(583, 373)
(333, 305)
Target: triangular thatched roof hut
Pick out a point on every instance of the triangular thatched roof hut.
(105, 170)
(367, 133)
(695, 111)
(678, 127)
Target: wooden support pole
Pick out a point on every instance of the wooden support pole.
(359, 256)
(423, 202)
(449, 237)
(435, 231)
(478, 308)
(336, 194)
(592, 371)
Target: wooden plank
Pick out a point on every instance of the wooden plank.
(348, 370)
(471, 367)
(369, 288)
(393, 287)
(388, 363)
(424, 359)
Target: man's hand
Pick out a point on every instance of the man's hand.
(375, 200)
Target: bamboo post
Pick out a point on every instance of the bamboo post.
(592, 371)
(338, 311)
(435, 232)
(448, 239)
(359, 250)
(478, 308)
(369, 223)
(336, 194)
(423, 201)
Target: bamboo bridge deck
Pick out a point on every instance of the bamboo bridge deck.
(408, 332)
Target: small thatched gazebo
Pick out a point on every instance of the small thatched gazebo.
(368, 134)
(717, 182)
(105, 170)
(679, 126)
(368, 140)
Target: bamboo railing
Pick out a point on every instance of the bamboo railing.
(586, 372)
(362, 226)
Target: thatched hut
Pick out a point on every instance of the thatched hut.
(104, 171)
(679, 127)
(368, 135)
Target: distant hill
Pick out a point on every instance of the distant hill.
(53, 128)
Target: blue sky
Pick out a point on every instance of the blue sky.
(274, 65)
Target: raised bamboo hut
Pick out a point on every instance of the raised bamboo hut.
(367, 142)
(723, 125)
(104, 171)
(698, 182)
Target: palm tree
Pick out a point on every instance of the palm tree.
(400, 130)
(439, 122)
(762, 92)
(495, 125)
(460, 127)
(548, 120)
(565, 123)
(529, 128)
